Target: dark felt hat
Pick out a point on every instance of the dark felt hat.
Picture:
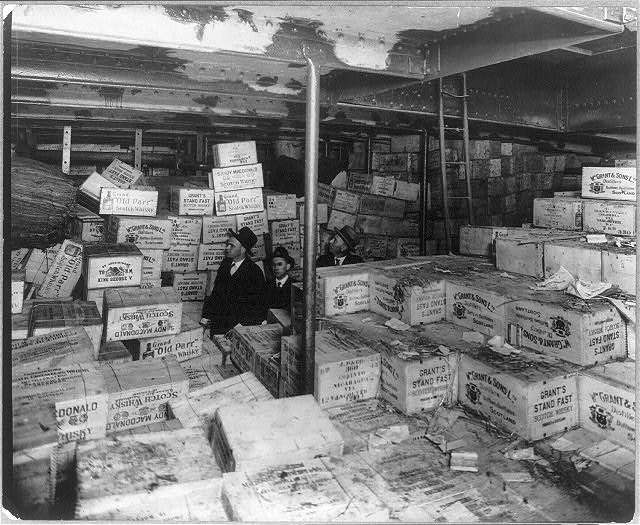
(282, 252)
(246, 237)
(349, 236)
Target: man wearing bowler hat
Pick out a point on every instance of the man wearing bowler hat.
(279, 286)
(238, 294)
(340, 246)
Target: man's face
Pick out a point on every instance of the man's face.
(280, 267)
(233, 249)
(337, 246)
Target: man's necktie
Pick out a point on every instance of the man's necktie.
(232, 270)
(337, 262)
(279, 284)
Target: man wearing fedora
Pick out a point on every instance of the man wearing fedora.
(340, 246)
(279, 286)
(238, 294)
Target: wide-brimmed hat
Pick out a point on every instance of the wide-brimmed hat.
(349, 236)
(283, 254)
(246, 237)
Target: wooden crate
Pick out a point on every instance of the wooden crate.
(614, 218)
(146, 233)
(530, 395)
(342, 289)
(191, 200)
(190, 286)
(479, 240)
(613, 183)
(394, 208)
(210, 256)
(186, 229)
(579, 258)
(310, 490)
(109, 265)
(57, 404)
(92, 185)
(215, 230)
(62, 347)
(247, 341)
(114, 352)
(559, 326)
(131, 314)
(338, 219)
(86, 225)
(249, 436)
(198, 407)
(47, 318)
(138, 202)
(142, 465)
(62, 277)
(236, 177)
(121, 174)
(384, 186)
(97, 295)
(520, 256)
(415, 294)
(234, 154)
(139, 391)
(346, 369)
(151, 265)
(180, 258)
(608, 401)
(619, 268)
(558, 212)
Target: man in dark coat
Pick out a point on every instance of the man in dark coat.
(340, 246)
(238, 294)
(279, 286)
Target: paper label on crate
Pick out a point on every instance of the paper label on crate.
(136, 322)
(186, 230)
(283, 232)
(346, 201)
(128, 202)
(121, 174)
(608, 410)
(180, 258)
(190, 287)
(610, 217)
(473, 308)
(216, 229)
(359, 182)
(325, 193)
(17, 296)
(609, 183)
(145, 284)
(338, 219)
(384, 186)
(406, 247)
(151, 264)
(236, 178)
(581, 338)
(256, 221)
(347, 380)
(280, 206)
(94, 184)
(185, 345)
(210, 256)
(192, 201)
(64, 273)
(144, 233)
(400, 162)
(119, 271)
(407, 191)
(565, 214)
(372, 205)
(342, 294)
(235, 154)
(393, 208)
(241, 201)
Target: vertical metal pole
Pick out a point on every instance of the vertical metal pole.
(423, 194)
(137, 162)
(368, 155)
(66, 149)
(443, 169)
(312, 136)
(199, 151)
(467, 162)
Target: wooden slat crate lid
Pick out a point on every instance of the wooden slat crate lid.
(142, 463)
(100, 249)
(198, 407)
(311, 490)
(339, 343)
(121, 377)
(618, 373)
(77, 313)
(207, 369)
(139, 297)
(259, 337)
(82, 213)
(50, 350)
(273, 432)
(196, 501)
(525, 365)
